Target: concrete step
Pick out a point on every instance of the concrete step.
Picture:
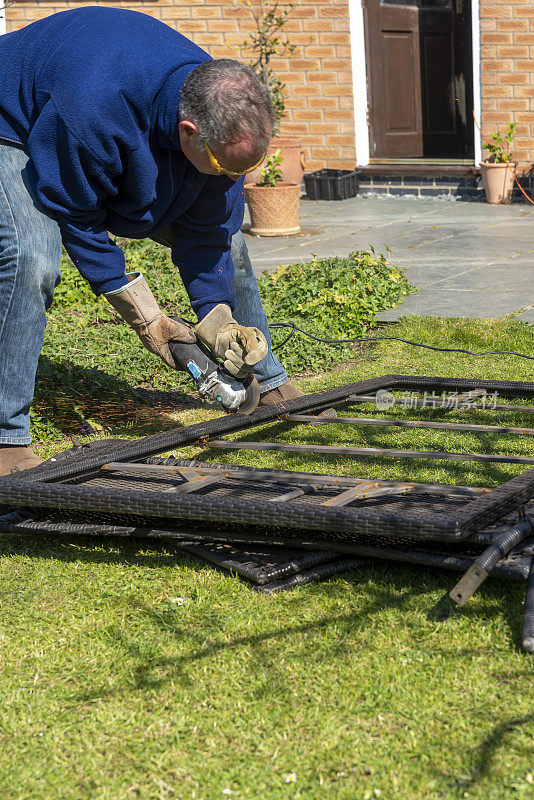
(465, 185)
(459, 182)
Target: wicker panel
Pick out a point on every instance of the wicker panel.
(333, 524)
(259, 565)
(123, 495)
(242, 542)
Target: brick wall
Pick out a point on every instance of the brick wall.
(507, 71)
(318, 75)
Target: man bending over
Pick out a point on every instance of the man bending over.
(111, 121)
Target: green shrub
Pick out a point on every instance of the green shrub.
(271, 172)
(334, 298)
(91, 361)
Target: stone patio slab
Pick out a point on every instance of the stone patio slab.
(470, 304)
(526, 316)
(499, 277)
(467, 259)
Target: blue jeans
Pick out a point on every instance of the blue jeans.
(30, 250)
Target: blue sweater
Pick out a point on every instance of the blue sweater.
(92, 95)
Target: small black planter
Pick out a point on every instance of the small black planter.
(332, 184)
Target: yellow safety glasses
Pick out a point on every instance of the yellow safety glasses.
(221, 170)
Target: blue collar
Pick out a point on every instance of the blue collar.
(164, 118)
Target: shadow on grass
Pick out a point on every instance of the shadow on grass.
(495, 740)
(446, 610)
(442, 610)
(73, 399)
(391, 587)
(397, 587)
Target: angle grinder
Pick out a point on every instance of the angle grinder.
(233, 395)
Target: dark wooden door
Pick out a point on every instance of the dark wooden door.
(420, 89)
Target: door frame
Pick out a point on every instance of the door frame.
(360, 78)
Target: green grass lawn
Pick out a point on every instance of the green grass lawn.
(131, 672)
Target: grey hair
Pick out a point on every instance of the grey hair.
(226, 99)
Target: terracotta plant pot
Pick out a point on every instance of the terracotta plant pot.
(498, 182)
(274, 210)
(294, 159)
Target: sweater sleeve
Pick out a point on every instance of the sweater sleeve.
(202, 241)
(71, 183)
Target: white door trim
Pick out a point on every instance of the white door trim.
(475, 32)
(359, 79)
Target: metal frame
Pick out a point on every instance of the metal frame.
(332, 520)
(486, 562)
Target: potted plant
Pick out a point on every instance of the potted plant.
(266, 42)
(498, 170)
(273, 204)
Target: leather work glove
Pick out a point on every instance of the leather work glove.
(139, 308)
(237, 346)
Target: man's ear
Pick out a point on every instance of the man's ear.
(187, 129)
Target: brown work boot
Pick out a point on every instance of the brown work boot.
(13, 457)
(289, 392)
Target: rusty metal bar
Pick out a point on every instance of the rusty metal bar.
(454, 398)
(351, 494)
(286, 477)
(368, 490)
(194, 483)
(400, 423)
(291, 495)
(318, 449)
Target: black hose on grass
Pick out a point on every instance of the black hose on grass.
(295, 328)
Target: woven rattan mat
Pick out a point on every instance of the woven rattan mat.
(269, 564)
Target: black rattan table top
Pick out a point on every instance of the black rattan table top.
(79, 483)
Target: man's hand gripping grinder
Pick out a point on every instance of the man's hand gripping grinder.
(213, 382)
